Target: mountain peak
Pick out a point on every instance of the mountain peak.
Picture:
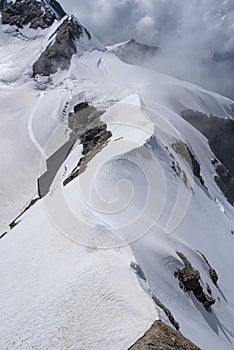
(70, 38)
(133, 52)
(36, 13)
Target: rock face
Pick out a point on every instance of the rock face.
(189, 279)
(182, 149)
(163, 337)
(213, 274)
(225, 181)
(58, 54)
(86, 126)
(167, 312)
(220, 134)
(36, 13)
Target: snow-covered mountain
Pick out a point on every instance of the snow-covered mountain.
(133, 52)
(137, 225)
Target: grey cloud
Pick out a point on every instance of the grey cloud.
(189, 33)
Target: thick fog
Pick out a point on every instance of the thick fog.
(196, 36)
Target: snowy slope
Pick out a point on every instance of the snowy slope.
(29, 115)
(63, 296)
(67, 263)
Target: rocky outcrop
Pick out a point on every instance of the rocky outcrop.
(163, 337)
(86, 126)
(213, 274)
(59, 52)
(36, 13)
(182, 149)
(167, 312)
(17, 220)
(189, 279)
(220, 134)
(225, 181)
(57, 8)
(3, 235)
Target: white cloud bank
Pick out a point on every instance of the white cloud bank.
(190, 32)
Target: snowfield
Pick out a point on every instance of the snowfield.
(59, 295)
(66, 280)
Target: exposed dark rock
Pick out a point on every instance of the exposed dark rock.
(225, 181)
(213, 274)
(138, 270)
(189, 279)
(17, 220)
(92, 137)
(14, 224)
(179, 172)
(163, 337)
(81, 106)
(167, 312)
(220, 134)
(80, 120)
(183, 149)
(58, 54)
(57, 8)
(86, 126)
(196, 168)
(3, 235)
(208, 288)
(37, 13)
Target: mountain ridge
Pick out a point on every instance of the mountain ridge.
(134, 235)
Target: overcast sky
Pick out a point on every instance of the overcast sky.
(189, 31)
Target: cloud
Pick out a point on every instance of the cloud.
(189, 33)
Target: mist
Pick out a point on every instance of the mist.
(196, 37)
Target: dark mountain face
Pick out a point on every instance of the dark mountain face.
(62, 44)
(59, 53)
(37, 13)
(57, 8)
(220, 134)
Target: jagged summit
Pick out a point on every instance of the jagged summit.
(36, 13)
(133, 52)
(52, 51)
(70, 38)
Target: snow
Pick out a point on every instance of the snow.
(70, 297)
(65, 268)
(30, 121)
(116, 46)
